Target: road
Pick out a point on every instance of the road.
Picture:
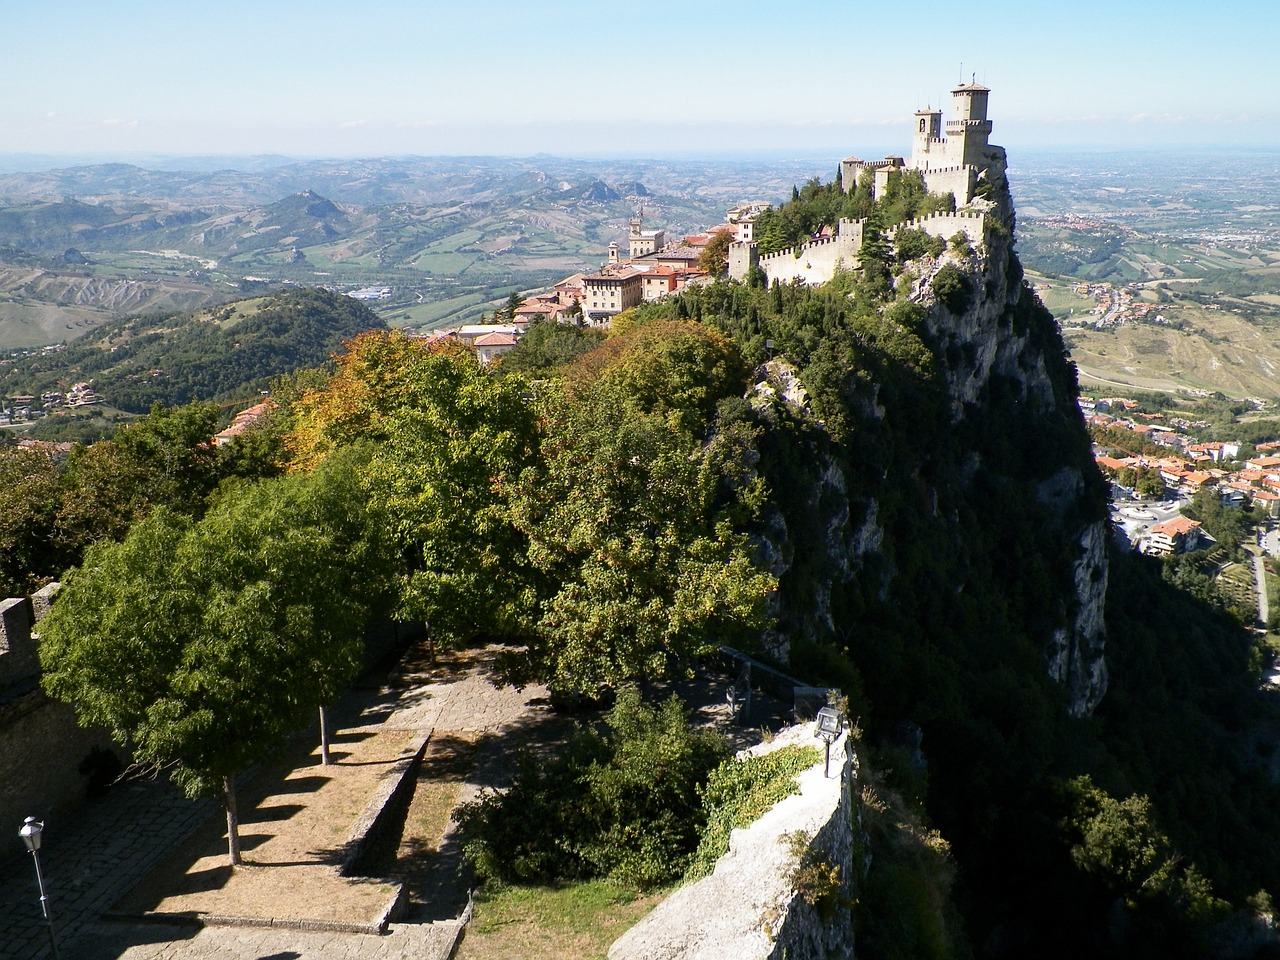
(1264, 608)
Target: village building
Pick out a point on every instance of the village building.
(610, 291)
(493, 345)
(1179, 535)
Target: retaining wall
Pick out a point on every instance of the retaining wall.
(748, 908)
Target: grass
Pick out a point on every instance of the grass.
(541, 923)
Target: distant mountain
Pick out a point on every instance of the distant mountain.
(599, 190)
(227, 351)
(452, 237)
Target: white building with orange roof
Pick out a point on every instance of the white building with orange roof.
(610, 291)
(1179, 535)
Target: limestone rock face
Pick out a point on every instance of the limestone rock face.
(1003, 370)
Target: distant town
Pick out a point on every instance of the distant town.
(1189, 466)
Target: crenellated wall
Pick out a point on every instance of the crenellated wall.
(947, 225)
(816, 261)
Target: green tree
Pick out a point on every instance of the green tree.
(714, 259)
(630, 518)
(29, 497)
(164, 459)
(547, 345)
(201, 644)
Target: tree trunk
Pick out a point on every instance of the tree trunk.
(233, 819)
(324, 737)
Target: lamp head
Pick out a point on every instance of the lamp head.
(30, 833)
(828, 724)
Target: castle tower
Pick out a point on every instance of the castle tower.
(928, 131)
(969, 126)
(613, 251)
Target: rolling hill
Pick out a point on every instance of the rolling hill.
(209, 354)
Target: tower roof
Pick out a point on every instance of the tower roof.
(970, 88)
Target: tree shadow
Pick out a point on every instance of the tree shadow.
(108, 941)
(308, 784)
(273, 814)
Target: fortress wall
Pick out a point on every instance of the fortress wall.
(958, 180)
(43, 751)
(816, 262)
(17, 647)
(742, 256)
(947, 225)
(42, 746)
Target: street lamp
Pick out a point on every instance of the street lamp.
(828, 726)
(30, 832)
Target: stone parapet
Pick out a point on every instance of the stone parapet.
(749, 907)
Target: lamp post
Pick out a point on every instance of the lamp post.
(827, 726)
(30, 833)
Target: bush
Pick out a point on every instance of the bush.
(914, 244)
(739, 792)
(953, 290)
(623, 805)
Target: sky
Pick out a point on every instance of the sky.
(587, 78)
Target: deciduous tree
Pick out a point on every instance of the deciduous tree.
(201, 644)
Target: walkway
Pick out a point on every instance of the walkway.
(1264, 605)
(112, 843)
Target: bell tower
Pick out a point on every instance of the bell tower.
(928, 131)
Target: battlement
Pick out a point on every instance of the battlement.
(795, 252)
(946, 225)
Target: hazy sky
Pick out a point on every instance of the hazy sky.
(592, 77)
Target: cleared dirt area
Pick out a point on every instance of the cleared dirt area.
(294, 818)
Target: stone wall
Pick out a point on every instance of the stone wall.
(47, 760)
(816, 262)
(18, 660)
(749, 907)
(947, 225)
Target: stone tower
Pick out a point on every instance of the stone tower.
(969, 128)
(927, 138)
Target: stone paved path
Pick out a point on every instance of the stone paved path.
(110, 844)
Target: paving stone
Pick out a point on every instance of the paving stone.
(94, 857)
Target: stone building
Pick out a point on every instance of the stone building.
(958, 163)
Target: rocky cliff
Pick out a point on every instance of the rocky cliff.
(953, 470)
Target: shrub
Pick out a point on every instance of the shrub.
(739, 792)
(914, 244)
(623, 804)
(952, 288)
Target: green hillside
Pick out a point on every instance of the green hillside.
(209, 354)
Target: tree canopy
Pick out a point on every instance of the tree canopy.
(200, 644)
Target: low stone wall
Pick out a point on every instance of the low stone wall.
(384, 814)
(749, 907)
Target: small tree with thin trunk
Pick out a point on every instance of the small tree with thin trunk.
(201, 645)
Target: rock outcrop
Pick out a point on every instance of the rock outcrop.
(1003, 423)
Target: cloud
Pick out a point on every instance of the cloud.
(351, 124)
(117, 122)
(1157, 118)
